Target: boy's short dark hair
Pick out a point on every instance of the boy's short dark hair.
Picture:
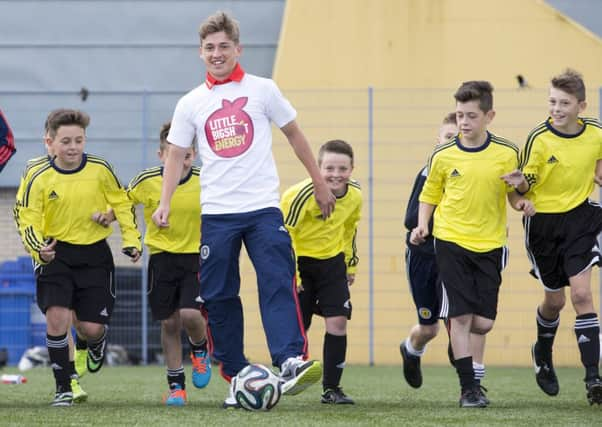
(65, 117)
(476, 90)
(335, 146)
(220, 21)
(164, 132)
(163, 135)
(571, 82)
(450, 119)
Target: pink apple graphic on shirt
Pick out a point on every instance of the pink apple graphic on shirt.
(229, 130)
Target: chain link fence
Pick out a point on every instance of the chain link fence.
(393, 132)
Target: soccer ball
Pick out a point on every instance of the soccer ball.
(256, 388)
(33, 357)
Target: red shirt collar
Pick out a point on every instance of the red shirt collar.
(236, 76)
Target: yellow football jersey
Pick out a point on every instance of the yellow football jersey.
(466, 186)
(315, 237)
(184, 232)
(560, 168)
(59, 204)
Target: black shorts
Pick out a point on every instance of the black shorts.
(173, 283)
(81, 278)
(470, 281)
(563, 245)
(325, 288)
(422, 272)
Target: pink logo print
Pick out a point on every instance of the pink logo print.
(229, 130)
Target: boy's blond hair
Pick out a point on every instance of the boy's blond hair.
(450, 119)
(220, 21)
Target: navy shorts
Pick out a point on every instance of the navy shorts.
(562, 245)
(81, 278)
(422, 273)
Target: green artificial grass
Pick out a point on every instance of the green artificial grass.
(133, 396)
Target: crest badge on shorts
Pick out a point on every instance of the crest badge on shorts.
(425, 313)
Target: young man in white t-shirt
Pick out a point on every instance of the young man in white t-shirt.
(230, 115)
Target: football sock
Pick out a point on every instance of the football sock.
(58, 351)
(411, 350)
(546, 332)
(200, 346)
(587, 331)
(80, 343)
(465, 372)
(335, 349)
(72, 371)
(176, 377)
(95, 345)
(479, 371)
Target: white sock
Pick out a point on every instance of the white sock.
(411, 350)
(479, 371)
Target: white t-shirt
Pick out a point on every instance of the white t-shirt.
(232, 124)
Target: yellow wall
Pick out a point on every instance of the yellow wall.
(429, 43)
(331, 51)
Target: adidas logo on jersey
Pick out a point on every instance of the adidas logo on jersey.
(454, 173)
(53, 195)
(552, 159)
(582, 339)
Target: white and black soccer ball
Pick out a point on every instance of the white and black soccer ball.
(256, 388)
(34, 357)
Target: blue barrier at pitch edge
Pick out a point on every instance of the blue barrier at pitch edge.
(15, 321)
(21, 323)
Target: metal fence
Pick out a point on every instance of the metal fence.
(393, 132)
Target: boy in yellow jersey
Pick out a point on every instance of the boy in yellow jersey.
(422, 274)
(326, 256)
(465, 190)
(560, 162)
(173, 269)
(77, 351)
(74, 265)
(79, 395)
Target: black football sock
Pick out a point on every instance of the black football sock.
(200, 346)
(80, 343)
(587, 331)
(58, 351)
(96, 345)
(546, 332)
(335, 349)
(465, 373)
(72, 371)
(176, 377)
